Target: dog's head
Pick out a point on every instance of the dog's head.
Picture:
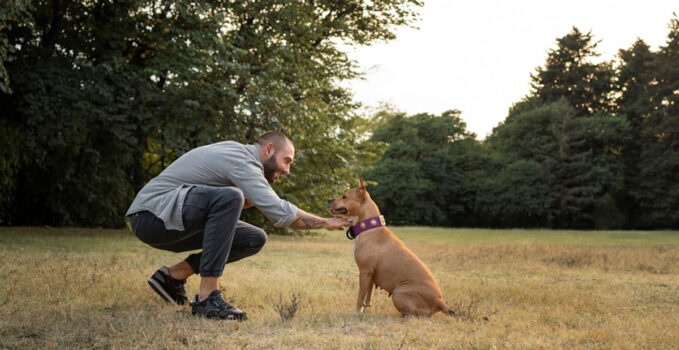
(351, 203)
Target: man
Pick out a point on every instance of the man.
(196, 202)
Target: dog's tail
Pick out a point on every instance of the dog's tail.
(446, 309)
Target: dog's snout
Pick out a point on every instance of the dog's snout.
(330, 202)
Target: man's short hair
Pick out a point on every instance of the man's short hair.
(278, 139)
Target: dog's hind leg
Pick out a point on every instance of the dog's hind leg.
(409, 303)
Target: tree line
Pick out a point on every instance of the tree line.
(97, 97)
(593, 145)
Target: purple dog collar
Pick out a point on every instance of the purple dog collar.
(365, 225)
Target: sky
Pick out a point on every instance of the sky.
(477, 56)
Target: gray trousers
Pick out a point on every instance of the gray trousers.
(210, 216)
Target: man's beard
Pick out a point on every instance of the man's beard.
(270, 168)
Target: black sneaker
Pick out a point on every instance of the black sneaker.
(167, 287)
(215, 307)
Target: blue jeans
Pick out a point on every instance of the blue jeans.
(210, 216)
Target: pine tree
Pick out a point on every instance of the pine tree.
(570, 73)
(658, 190)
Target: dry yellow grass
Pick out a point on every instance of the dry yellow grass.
(80, 288)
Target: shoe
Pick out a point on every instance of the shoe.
(167, 287)
(215, 307)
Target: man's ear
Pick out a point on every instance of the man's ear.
(270, 148)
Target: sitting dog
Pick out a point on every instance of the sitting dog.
(384, 261)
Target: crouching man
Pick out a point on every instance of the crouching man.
(196, 203)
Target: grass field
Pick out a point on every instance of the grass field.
(539, 289)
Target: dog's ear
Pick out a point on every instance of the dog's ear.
(361, 189)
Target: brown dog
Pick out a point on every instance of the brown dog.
(384, 261)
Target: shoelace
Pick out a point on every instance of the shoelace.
(221, 303)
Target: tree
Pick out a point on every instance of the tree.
(417, 181)
(570, 73)
(11, 14)
(516, 196)
(658, 184)
(102, 95)
(580, 156)
(635, 78)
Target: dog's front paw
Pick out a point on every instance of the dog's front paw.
(361, 308)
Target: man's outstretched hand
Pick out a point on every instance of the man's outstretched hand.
(306, 221)
(337, 224)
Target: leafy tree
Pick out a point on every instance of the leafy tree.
(12, 14)
(476, 164)
(102, 95)
(580, 156)
(606, 137)
(516, 196)
(524, 133)
(417, 181)
(581, 146)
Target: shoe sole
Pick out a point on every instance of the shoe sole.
(160, 291)
(225, 318)
(195, 313)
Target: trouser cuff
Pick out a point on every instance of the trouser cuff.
(213, 273)
(194, 261)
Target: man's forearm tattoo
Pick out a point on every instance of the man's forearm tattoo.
(307, 222)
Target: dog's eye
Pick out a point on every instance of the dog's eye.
(344, 196)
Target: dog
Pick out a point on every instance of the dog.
(384, 260)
